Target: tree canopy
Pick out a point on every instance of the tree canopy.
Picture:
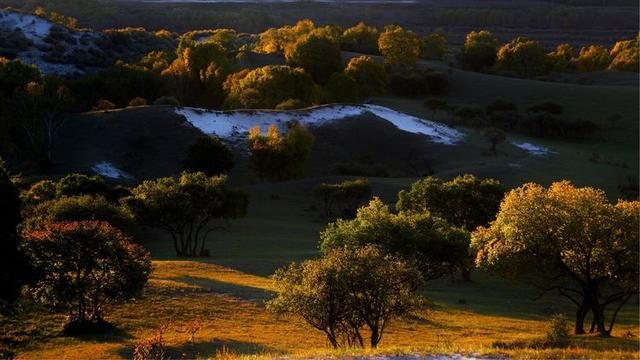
(399, 46)
(479, 50)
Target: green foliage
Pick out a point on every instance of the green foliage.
(275, 157)
(593, 58)
(435, 246)
(290, 104)
(399, 46)
(434, 46)
(275, 40)
(319, 56)
(343, 199)
(523, 56)
(558, 332)
(560, 59)
(85, 266)
(370, 76)
(80, 184)
(479, 50)
(79, 208)
(268, 86)
(341, 88)
(578, 243)
(13, 265)
(208, 155)
(625, 54)
(361, 38)
(347, 290)
(186, 207)
(465, 201)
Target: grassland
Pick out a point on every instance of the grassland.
(227, 292)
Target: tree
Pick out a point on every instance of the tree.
(346, 290)
(319, 56)
(436, 247)
(502, 113)
(361, 38)
(370, 76)
(593, 58)
(80, 184)
(186, 208)
(466, 202)
(523, 56)
(341, 88)
(269, 86)
(579, 244)
(495, 137)
(479, 50)
(276, 157)
(436, 105)
(78, 208)
(345, 198)
(83, 266)
(625, 54)
(399, 46)
(13, 264)
(434, 46)
(208, 155)
(560, 59)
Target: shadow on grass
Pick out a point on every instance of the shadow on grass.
(112, 334)
(243, 292)
(206, 349)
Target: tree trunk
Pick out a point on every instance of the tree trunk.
(580, 315)
(466, 274)
(598, 314)
(375, 337)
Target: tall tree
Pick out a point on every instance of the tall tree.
(399, 46)
(570, 240)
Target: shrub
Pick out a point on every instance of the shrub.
(523, 56)
(558, 332)
(275, 157)
(361, 38)
(83, 266)
(479, 50)
(167, 100)
(319, 56)
(399, 46)
(369, 75)
(290, 104)
(434, 46)
(208, 155)
(138, 101)
(103, 105)
(343, 198)
(593, 58)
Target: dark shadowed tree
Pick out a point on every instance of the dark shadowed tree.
(343, 199)
(495, 136)
(479, 50)
(319, 56)
(210, 156)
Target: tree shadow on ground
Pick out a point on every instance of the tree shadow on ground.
(243, 292)
(112, 334)
(206, 349)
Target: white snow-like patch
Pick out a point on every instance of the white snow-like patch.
(235, 124)
(33, 27)
(108, 170)
(533, 149)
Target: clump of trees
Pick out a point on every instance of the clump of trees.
(479, 50)
(625, 54)
(369, 75)
(593, 58)
(84, 266)
(434, 46)
(319, 56)
(567, 240)
(348, 290)
(210, 156)
(436, 247)
(277, 157)
(361, 38)
(523, 56)
(187, 208)
(399, 46)
(343, 199)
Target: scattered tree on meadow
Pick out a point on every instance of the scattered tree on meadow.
(341, 88)
(523, 56)
(343, 199)
(495, 136)
(436, 105)
(347, 290)
(593, 58)
(502, 113)
(370, 76)
(466, 202)
(319, 56)
(399, 46)
(268, 86)
(13, 264)
(479, 50)
(560, 59)
(361, 38)
(84, 266)
(186, 208)
(434, 46)
(570, 240)
(276, 157)
(208, 155)
(436, 247)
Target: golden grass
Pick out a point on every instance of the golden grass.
(235, 324)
